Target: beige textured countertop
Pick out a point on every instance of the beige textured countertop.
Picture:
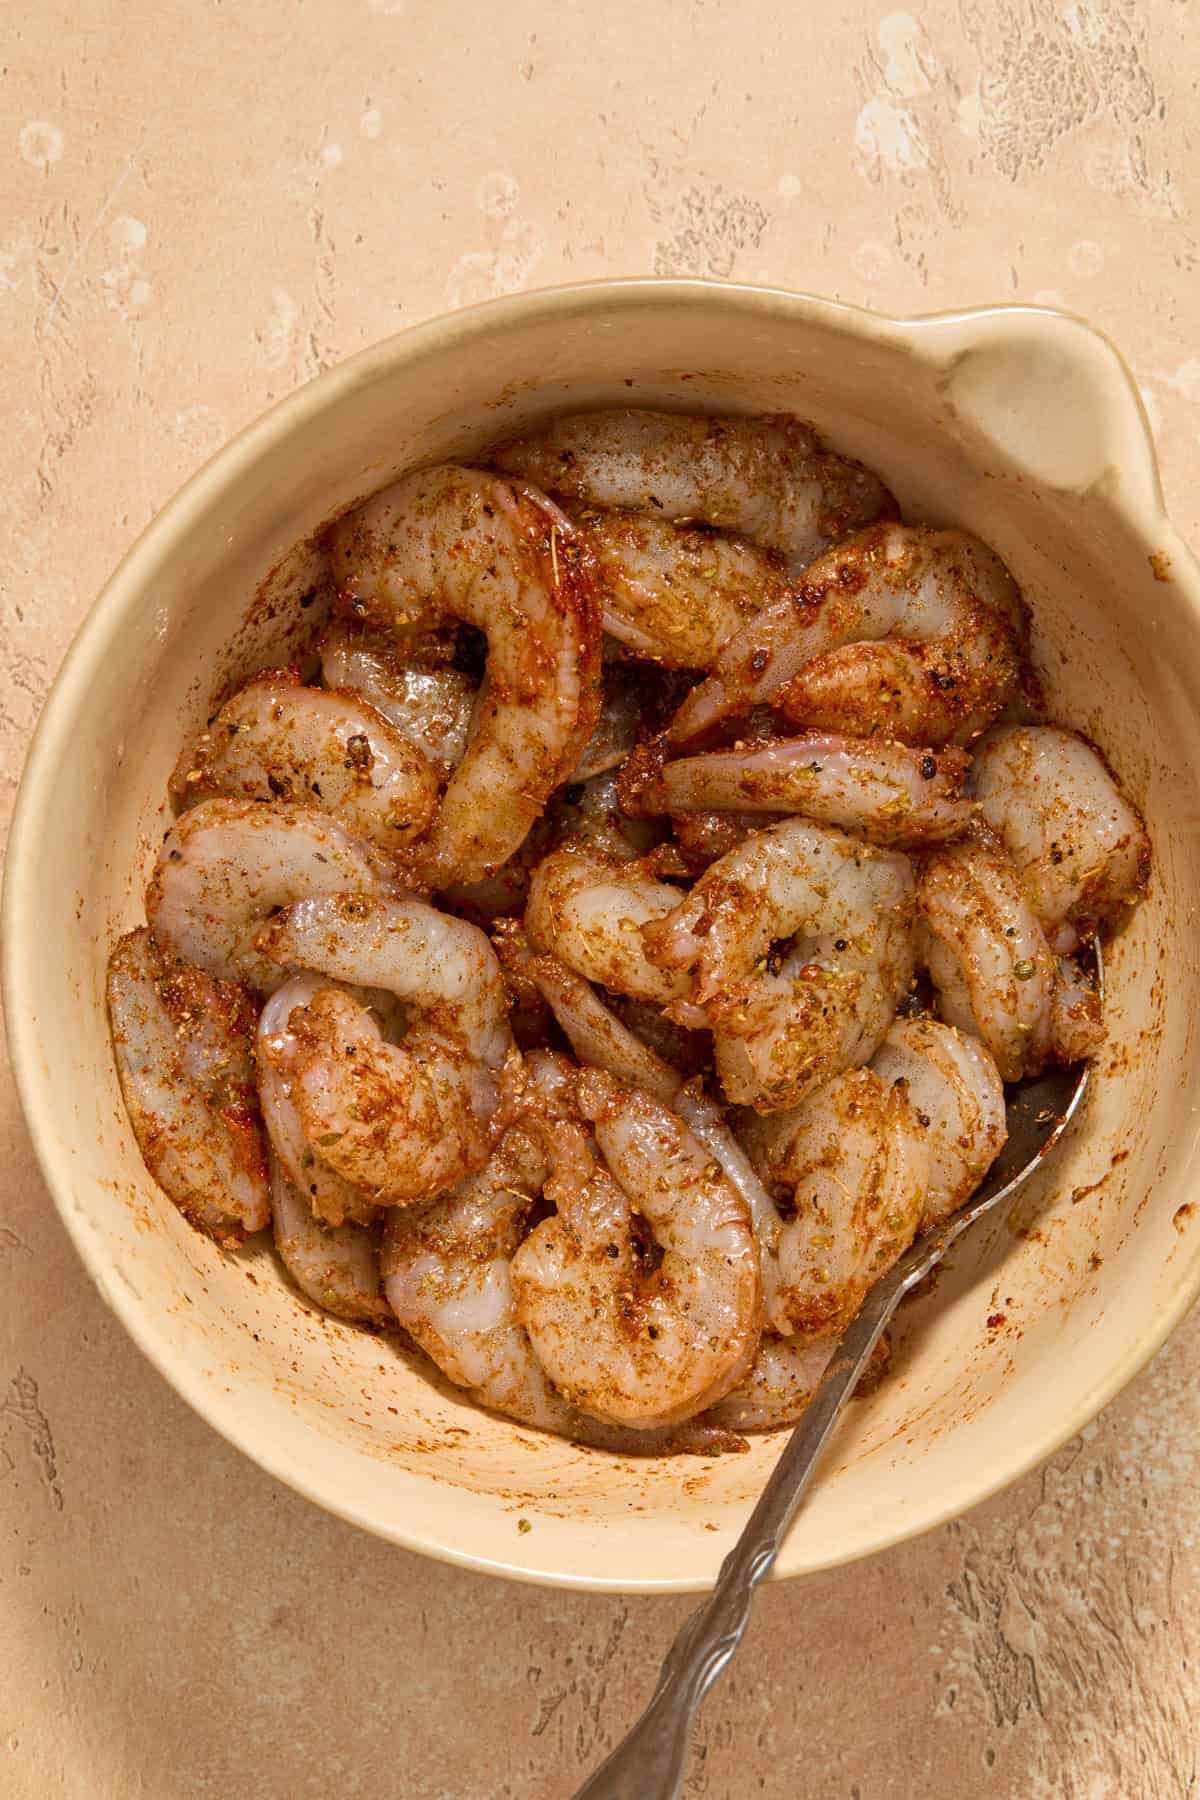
(205, 203)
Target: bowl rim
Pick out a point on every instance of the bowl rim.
(1134, 494)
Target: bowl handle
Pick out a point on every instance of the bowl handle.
(1052, 395)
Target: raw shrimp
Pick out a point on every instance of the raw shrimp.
(330, 1197)
(780, 1385)
(784, 1022)
(702, 838)
(769, 478)
(457, 542)
(227, 864)
(627, 1342)
(588, 909)
(448, 1277)
(900, 632)
(889, 792)
(598, 1037)
(1076, 1021)
(957, 1099)
(336, 1266)
(429, 704)
(853, 1164)
(675, 594)
(277, 739)
(184, 1054)
(790, 1363)
(987, 954)
(586, 814)
(1079, 846)
(398, 1122)
(446, 1268)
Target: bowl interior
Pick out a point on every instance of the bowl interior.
(965, 419)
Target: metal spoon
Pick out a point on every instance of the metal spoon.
(649, 1762)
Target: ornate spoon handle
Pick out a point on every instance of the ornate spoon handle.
(648, 1763)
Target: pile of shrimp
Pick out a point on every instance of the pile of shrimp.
(615, 954)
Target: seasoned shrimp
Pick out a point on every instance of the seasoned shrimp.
(626, 1341)
(227, 864)
(277, 739)
(675, 594)
(889, 792)
(430, 704)
(446, 1267)
(770, 478)
(184, 1054)
(853, 1163)
(397, 1122)
(1076, 1022)
(900, 632)
(789, 1364)
(780, 1385)
(1079, 846)
(957, 1099)
(588, 909)
(703, 838)
(456, 542)
(599, 1038)
(784, 1022)
(448, 1277)
(583, 813)
(337, 1266)
(987, 954)
(331, 1198)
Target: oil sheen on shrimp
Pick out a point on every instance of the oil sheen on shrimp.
(226, 865)
(957, 1100)
(987, 954)
(789, 1364)
(890, 793)
(783, 1379)
(454, 542)
(899, 632)
(599, 1038)
(337, 1266)
(630, 1342)
(331, 1199)
(447, 1267)
(430, 704)
(853, 1164)
(589, 909)
(675, 594)
(396, 1121)
(184, 1050)
(770, 479)
(1080, 847)
(616, 729)
(277, 739)
(785, 1020)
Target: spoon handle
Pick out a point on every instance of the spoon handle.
(649, 1762)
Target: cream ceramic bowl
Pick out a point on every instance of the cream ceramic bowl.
(1022, 425)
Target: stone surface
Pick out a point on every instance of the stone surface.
(202, 205)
